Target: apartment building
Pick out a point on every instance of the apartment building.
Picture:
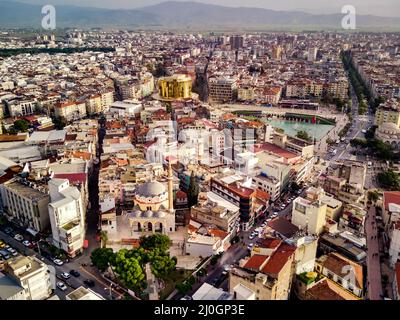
(231, 189)
(309, 215)
(70, 110)
(29, 274)
(212, 213)
(67, 216)
(343, 271)
(83, 293)
(265, 275)
(25, 203)
(222, 90)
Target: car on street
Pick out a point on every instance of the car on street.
(65, 275)
(18, 237)
(250, 246)
(26, 243)
(214, 281)
(61, 285)
(8, 230)
(12, 251)
(89, 282)
(75, 273)
(251, 236)
(58, 262)
(5, 254)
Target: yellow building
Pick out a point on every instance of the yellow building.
(175, 87)
(309, 213)
(266, 275)
(388, 113)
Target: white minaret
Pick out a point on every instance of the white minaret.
(170, 188)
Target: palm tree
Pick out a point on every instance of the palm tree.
(104, 238)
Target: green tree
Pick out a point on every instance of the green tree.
(12, 131)
(129, 270)
(389, 180)
(102, 257)
(21, 125)
(193, 191)
(162, 265)
(59, 123)
(303, 135)
(373, 196)
(156, 241)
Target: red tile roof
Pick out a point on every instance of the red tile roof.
(256, 262)
(391, 197)
(73, 178)
(279, 259)
(271, 148)
(218, 233)
(269, 243)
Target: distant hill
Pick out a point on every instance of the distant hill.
(185, 15)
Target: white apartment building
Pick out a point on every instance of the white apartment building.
(94, 104)
(70, 110)
(18, 108)
(67, 216)
(268, 184)
(30, 274)
(107, 99)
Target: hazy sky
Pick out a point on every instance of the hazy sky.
(375, 7)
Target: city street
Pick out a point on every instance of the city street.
(374, 281)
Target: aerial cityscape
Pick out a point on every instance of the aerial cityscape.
(169, 160)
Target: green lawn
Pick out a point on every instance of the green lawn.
(171, 280)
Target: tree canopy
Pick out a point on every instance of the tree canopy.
(101, 257)
(193, 191)
(389, 180)
(21, 125)
(155, 241)
(303, 135)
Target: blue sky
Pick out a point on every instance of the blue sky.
(375, 7)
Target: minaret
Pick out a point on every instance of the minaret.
(170, 188)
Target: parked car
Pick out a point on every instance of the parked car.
(251, 237)
(5, 254)
(12, 251)
(250, 246)
(75, 273)
(90, 283)
(58, 262)
(214, 281)
(18, 237)
(8, 230)
(61, 285)
(26, 243)
(65, 275)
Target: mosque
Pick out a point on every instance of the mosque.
(153, 210)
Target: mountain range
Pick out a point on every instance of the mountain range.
(185, 16)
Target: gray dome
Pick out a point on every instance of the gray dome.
(134, 214)
(148, 214)
(160, 214)
(151, 189)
